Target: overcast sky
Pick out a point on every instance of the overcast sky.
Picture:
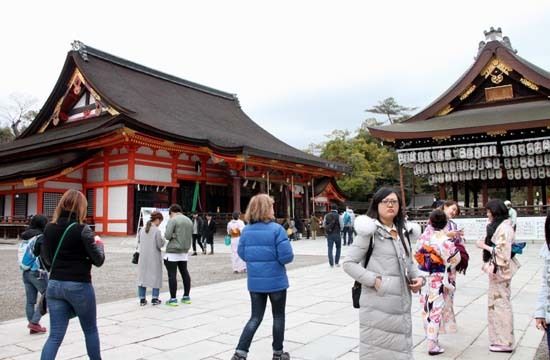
(300, 68)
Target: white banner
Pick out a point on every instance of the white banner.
(146, 215)
(528, 228)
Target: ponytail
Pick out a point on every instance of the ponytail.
(148, 227)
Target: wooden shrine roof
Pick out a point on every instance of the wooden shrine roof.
(163, 106)
(462, 109)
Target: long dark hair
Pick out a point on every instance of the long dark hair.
(547, 229)
(500, 213)
(399, 219)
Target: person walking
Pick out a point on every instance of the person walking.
(179, 232)
(197, 233)
(500, 266)
(150, 242)
(314, 226)
(266, 249)
(542, 311)
(35, 277)
(385, 322)
(234, 230)
(209, 230)
(69, 250)
(331, 224)
(512, 213)
(436, 254)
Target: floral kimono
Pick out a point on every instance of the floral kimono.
(499, 313)
(437, 255)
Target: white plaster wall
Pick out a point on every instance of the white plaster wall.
(26, 187)
(119, 172)
(75, 174)
(144, 150)
(144, 172)
(95, 175)
(116, 227)
(7, 205)
(98, 227)
(32, 203)
(99, 202)
(163, 153)
(118, 203)
(62, 185)
(7, 187)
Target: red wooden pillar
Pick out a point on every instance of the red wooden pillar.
(237, 193)
(530, 197)
(442, 192)
(40, 199)
(305, 205)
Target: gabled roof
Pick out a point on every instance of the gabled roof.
(168, 107)
(451, 112)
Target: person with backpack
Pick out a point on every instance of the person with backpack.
(389, 277)
(500, 267)
(347, 231)
(35, 277)
(331, 224)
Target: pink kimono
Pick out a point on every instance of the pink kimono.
(499, 313)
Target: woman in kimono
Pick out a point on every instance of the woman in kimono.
(500, 267)
(234, 229)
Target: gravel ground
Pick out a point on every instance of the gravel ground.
(115, 280)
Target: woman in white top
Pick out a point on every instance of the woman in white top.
(234, 229)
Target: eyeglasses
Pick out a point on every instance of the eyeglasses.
(391, 202)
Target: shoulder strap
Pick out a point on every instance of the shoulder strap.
(59, 245)
(369, 251)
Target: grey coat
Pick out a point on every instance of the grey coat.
(385, 316)
(150, 258)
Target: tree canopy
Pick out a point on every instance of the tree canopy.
(18, 112)
(391, 109)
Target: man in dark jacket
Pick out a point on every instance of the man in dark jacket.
(197, 231)
(331, 224)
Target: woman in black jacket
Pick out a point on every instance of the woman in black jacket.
(70, 291)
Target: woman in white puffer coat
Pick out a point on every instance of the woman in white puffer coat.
(390, 276)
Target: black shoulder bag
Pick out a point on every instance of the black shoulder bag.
(356, 288)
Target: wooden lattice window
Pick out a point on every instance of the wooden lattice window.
(20, 205)
(91, 204)
(50, 201)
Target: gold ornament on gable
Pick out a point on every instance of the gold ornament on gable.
(531, 85)
(467, 92)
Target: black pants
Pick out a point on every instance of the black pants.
(172, 268)
(197, 239)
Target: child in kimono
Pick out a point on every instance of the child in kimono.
(437, 255)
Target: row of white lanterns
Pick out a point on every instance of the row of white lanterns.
(490, 174)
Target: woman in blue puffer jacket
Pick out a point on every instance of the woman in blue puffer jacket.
(265, 248)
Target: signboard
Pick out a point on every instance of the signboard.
(528, 228)
(145, 215)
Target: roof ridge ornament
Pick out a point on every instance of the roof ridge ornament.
(495, 35)
(81, 48)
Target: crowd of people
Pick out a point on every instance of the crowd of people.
(390, 256)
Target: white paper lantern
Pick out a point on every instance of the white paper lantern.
(548, 172)
(526, 174)
(530, 149)
(498, 173)
(425, 169)
(493, 150)
(538, 147)
(546, 145)
(491, 174)
(440, 178)
(475, 174)
(483, 174)
(496, 163)
(539, 160)
(438, 167)
(440, 155)
(547, 159)
(473, 164)
(517, 174)
(468, 176)
(459, 166)
(461, 176)
(542, 173)
(534, 173)
(507, 163)
(477, 152)
(510, 174)
(427, 156)
(454, 177)
(513, 150)
(480, 164)
(452, 166)
(484, 151)
(505, 150)
(431, 168)
(523, 162)
(420, 156)
(400, 158)
(434, 155)
(462, 153)
(531, 161)
(469, 153)
(412, 156)
(488, 163)
(417, 169)
(515, 163)
(521, 149)
(445, 166)
(448, 177)
(448, 154)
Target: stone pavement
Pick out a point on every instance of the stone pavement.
(320, 321)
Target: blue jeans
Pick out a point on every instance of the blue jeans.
(334, 239)
(348, 233)
(63, 297)
(142, 290)
(35, 282)
(258, 303)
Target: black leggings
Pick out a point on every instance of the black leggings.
(172, 268)
(197, 238)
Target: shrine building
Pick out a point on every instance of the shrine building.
(489, 131)
(128, 136)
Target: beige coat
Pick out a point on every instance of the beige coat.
(385, 315)
(150, 258)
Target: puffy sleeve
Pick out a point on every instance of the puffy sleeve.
(159, 240)
(285, 253)
(503, 238)
(357, 252)
(95, 251)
